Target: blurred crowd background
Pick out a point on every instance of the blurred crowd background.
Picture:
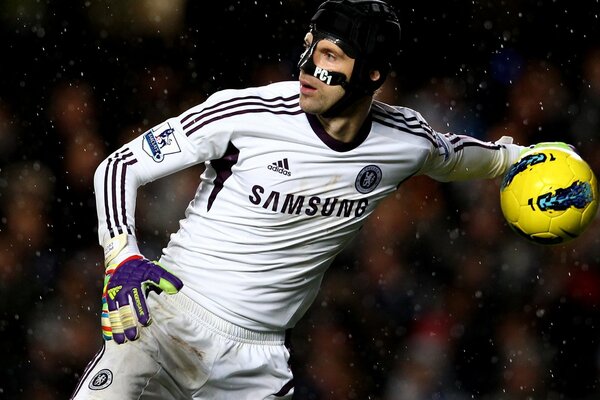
(437, 299)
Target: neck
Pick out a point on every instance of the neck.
(345, 126)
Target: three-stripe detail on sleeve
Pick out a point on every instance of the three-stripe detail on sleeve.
(115, 199)
(415, 126)
(195, 120)
(406, 123)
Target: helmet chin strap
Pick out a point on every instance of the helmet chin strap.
(352, 91)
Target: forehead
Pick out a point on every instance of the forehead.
(328, 42)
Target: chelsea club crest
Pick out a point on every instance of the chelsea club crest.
(368, 178)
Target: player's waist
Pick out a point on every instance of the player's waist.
(221, 326)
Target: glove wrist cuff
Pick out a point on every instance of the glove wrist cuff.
(130, 258)
(119, 248)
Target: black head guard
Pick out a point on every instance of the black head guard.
(368, 31)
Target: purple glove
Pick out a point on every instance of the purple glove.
(128, 282)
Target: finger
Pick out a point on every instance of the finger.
(164, 279)
(115, 296)
(138, 302)
(116, 326)
(105, 320)
(110, 270)
(170, 283)
(128, 322)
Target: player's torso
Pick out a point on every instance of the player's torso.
(283, 175)
(278, 205)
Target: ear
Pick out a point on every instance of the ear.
(375, 75)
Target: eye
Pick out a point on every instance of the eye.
(330, 56)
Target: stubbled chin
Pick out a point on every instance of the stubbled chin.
(308, 106)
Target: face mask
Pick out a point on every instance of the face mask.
(307, 63)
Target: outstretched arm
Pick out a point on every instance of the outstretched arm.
(460, 157)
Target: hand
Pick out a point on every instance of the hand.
(127, 282)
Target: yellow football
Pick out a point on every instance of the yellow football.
(549, 196)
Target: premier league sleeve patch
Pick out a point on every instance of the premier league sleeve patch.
(160, 141)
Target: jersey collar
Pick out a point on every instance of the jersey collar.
(335, 144)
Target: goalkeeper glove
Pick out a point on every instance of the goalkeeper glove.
(124, 294)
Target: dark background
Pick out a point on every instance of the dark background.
(436, 298)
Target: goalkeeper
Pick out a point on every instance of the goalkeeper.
(292, 170)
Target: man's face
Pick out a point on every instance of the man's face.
(316, 96)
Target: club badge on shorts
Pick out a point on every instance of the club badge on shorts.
(368, 178)
(101, 380)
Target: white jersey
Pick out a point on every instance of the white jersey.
(279, 197)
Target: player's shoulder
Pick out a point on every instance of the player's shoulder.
(229, 104)
(275, 92)
(403, 119)
(400, 113)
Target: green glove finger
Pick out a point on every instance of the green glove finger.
(548, 145)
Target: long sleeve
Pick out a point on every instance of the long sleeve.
(163, 150)
(156, 153)
(460, 157)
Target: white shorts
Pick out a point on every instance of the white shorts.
(189, 353)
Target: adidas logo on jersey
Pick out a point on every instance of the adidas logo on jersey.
(281, 167)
